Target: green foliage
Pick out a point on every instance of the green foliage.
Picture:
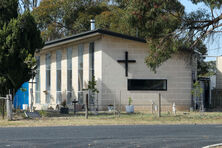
(157, 22)
(115, 19)
(130, 101)
(92, 85)
(8, 10)
(211, 3)
(206, 69)
(197, 90)
(19, 39)
(168, 29)
(59, 18)
(42, 113)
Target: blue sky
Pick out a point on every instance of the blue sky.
(213, 43)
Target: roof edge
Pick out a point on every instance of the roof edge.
(95, 31)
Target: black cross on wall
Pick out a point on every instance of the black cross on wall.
(126, 61)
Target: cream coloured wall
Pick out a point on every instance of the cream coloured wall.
(63, 48)
(110, 75)
(75, 71)
(177, 71)
(219, 73)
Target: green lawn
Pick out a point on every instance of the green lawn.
(56, 119)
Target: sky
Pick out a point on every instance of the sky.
(213, 43)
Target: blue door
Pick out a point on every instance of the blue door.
(22, 96)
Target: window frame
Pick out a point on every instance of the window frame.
(133, 89)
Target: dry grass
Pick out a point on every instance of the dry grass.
(55, 119)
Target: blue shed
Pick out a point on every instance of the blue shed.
(22, 96)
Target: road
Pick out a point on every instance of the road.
(152, 136)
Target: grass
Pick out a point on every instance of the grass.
(56, 119)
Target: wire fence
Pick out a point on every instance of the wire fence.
(116, 101)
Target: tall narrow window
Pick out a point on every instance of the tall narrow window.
(69, 75)
(48, 77)
(80, 73)
(91, 70)
(58, 76)
(37, 79)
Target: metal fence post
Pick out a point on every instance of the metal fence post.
(159, 108)
(9, 107)
(86, 107)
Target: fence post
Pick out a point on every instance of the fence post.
(86, 107)
(120, 103)
(159, 108)
(9, 107)
(114, 102)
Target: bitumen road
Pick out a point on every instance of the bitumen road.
(133, 136)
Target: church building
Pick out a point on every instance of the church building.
(117, 63)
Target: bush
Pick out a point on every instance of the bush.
(42, 113)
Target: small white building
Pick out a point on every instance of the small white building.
(117, 62)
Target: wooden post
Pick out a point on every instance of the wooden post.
(159, 107)
(9, 107)
(86, 107)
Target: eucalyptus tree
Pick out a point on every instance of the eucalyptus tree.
(167, 28)
(59, 18)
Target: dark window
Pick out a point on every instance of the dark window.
(80, 67)
(48, 77)
(80, 73)
(91, 70)
(58, 76)
(147, 84)
(69, 75)
(91, 61)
